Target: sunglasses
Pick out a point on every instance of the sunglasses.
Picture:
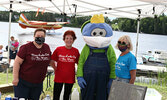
(121, 43)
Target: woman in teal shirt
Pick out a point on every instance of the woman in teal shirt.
(125, 66)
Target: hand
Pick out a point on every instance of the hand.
(109, 84)
(15, 82)
(81, 82)
(55, 68)
(13, 49)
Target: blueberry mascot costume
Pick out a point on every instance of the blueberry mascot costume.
(96, 66)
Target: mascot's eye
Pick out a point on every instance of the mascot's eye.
(101, 33)
(98, 32)
(94, 33)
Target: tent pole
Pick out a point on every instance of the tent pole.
(10, 17)
(138, 26)
(64, 11)
(75, 6)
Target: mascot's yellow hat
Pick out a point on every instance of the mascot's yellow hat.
(94, 19)
(97, 19)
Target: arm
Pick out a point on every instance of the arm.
(112, 60)
(16, 45)
(18, 61)
(14, 48)
(54, 59)
(52, 63)
(78, 55)
(82, 59)
(133, 76)
(133, 64)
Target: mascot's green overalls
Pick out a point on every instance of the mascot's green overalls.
(96, 67)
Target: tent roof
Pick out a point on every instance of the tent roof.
(113, 8)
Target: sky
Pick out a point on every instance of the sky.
(2, 9)
(111, 18)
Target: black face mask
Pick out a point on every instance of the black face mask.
(39, 40)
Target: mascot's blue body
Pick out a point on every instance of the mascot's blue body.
(96, 67)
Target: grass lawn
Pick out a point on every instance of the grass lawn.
(3, 78)
(161, 89)
(46, 90)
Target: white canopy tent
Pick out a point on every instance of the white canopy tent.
(135, 9)
(114, 8)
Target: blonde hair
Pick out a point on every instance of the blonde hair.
(127, 40)
(16, 40)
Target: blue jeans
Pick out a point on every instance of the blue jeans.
(28, 90)
(1, 58)
(122, 80)
(96, 72)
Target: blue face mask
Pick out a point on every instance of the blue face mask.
(122, 48)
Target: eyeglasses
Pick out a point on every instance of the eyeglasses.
(121, 43)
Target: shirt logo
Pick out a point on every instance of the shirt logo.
(40, 57)
(118, 64)
(67, 58)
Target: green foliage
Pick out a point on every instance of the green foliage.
(148, 25)
(162, 75)
(78, 21)
(125, 24)
(31, 15)
(115, 27)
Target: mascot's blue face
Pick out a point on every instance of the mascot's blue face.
(99, 29)
(96, 33)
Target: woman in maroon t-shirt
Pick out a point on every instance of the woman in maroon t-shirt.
(66, 57)
(30, 67)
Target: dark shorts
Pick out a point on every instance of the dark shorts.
(12, 54)
(1, 58)
(28, 90)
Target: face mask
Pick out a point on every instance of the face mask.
(39, 40)
(98, 42)
(122, 48)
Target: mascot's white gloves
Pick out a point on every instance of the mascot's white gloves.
(81, 82)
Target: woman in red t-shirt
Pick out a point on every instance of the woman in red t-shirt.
(66, 57)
